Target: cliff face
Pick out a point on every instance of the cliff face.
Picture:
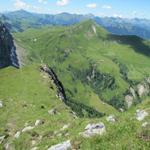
(8, 56)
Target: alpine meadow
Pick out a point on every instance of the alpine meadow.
(74, 81)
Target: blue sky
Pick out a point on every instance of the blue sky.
(115, 8)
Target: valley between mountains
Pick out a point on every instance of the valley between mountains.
(74, 87)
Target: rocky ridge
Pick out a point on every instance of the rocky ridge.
(8, 55)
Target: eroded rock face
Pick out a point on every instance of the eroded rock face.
(8, 56)
(60, 89)
(62, 146)
(137, 92)
(94, 129)
(141, 114)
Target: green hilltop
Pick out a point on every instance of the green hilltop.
(92, 64)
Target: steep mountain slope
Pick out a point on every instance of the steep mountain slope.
(22, 20)
(32, 117)
(8, 54)
(92, 64)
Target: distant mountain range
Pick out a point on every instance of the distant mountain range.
(21, 20)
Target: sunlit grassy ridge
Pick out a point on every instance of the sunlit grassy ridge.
(76, 52)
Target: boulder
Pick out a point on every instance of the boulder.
(1, 104)
(66, 126)
(141, 114)
(34, 40)
(52, 111)
(33, 142)
(111, 118)
(94, 129)
(39, 122)
(132, 91)
(129, 100)
(145, 124)
(148, 80)
(8, 146)
(17, 134)
(121, 109)
(142, 90)
(2, 138)
(62, 146)
(28, 128)
(34, 148)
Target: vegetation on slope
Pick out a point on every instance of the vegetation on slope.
(86, 49)
(28, 94)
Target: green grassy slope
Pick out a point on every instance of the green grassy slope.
(89, 61)
(28, 94)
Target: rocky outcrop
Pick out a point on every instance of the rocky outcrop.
(62, 146)
(8, 56)
(141, 114)
(142, 89)
(136, 92)
(94, 129)
(60, 90)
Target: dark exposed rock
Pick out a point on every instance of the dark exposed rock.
(60, 90)
(8, 56)
(94, 129)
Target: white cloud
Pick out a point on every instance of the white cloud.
(92, 5)
(42, 1)
(106, 7)
(117, 16)
(62, 2)
(19, 4)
